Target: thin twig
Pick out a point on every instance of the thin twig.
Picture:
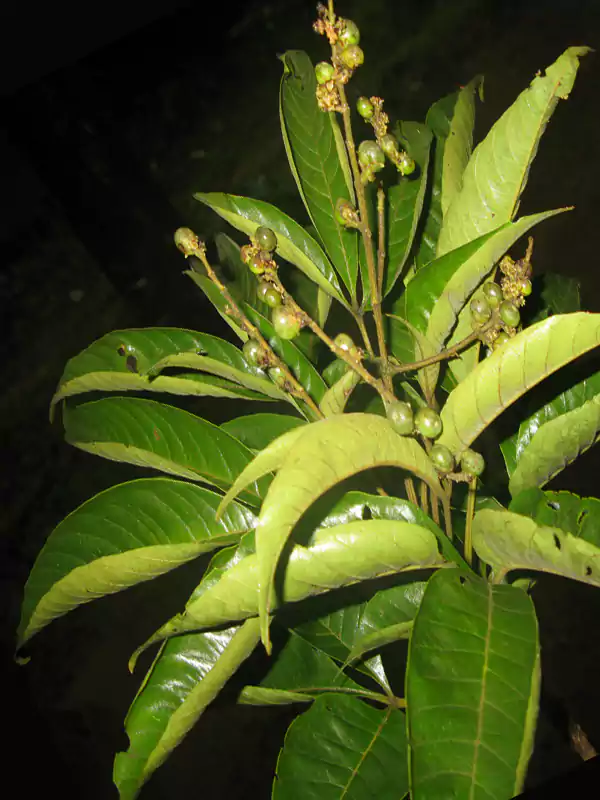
(358, 318)
(469, 523)
(424, 498)
(410, 491)
(381, 240)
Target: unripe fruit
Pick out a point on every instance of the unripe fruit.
(509, 314)
(268, 294)
(389, 144)
(428, 423)
(186, 241)
(406, 165)
(493, 294)
(286, 323)
(346, 214)
(352, 56)
(344, 342)
(365, 108)
(265, 238)
(501, 339)
(441, 458)
(401, 416)
(371, 155)
(480, 310)
(256, 264)
(277, 375)
(324, 72)
(253, 352)
(472, 463)
(349, 33)
(525, 287)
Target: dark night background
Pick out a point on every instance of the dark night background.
(111, 117)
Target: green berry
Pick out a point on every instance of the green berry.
(344, 342)
(389, 145)
(350, 33)
(493, 293)
(428, 423)
(365, 108)
(525, 287)
(253, 352)
(371, 155)
(401, 416)
(406, 164)
(286, 323)
(186, 241)
(265, 238)
(324, 71)
(352, 56)
(480, 310)
(277, 375)
(501, 339)
(441, 458)
(509, 314)
(472, 463)
(346, 214)
(268, 294)
(256, 264)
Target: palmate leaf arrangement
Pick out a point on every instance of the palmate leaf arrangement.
(417, 552)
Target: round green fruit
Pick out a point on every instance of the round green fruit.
(350, 33)
(406, 164)
(256, 264)
(352, 56)
(277, 375)
(365, 108)
(509, 314)
(480, 310)
(441, 458)
(493, 293)
(186, 241)
(400, 414)
(428, 423)
(344, 342)
(389, 145)
(371, 155)
(525, 287)
(265, 238)
(286, 323)
(501, 339)
(268, 294)
(472, 463)
(253, 352)
(324, 72)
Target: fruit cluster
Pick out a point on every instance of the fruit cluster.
(371, 110)
(427, 423)
(344, 37)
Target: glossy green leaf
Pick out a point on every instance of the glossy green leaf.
(512, 370)
(405, 201)
(579, 516)
(188, 674)
(408, 345)
(127, 534)
(298, 363)
(451, 121)
(328, 452)
(343, 556)
(150, 434)
(294, 244)
(217, 299)
(312, 151)
(298, 674)
(242, 283)
(131, 360)
(497, 172)
(560, 294)
(509, 541)
(343, 748)
(472, 689)
(468, 276)
(257, 431)
(335, 398)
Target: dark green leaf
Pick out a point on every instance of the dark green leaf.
(217, 299)
(256, 431)
(579, 516)
(472, 689)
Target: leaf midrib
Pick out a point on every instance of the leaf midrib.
(486, 656)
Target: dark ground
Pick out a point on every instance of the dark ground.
(99, 160)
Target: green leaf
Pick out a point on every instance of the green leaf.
(298, 363)
(451, 121)
(346, 555)
(343, 748)
(312, 151)
(408, 345)
(186, 677)
(463, 282)
(162, 437)
(257, 431)
(497, 172)
(560, 294)
(512, 370)
(217, 299)
(579, 516)
(335, 398)
(509, 541)
(127, 534)
(293, 243)
(405, 201)
(472, 689)
(298, 674)
(242, 282)
(327, 452)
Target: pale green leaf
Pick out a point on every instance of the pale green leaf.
(257, 431)
(335, 398)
